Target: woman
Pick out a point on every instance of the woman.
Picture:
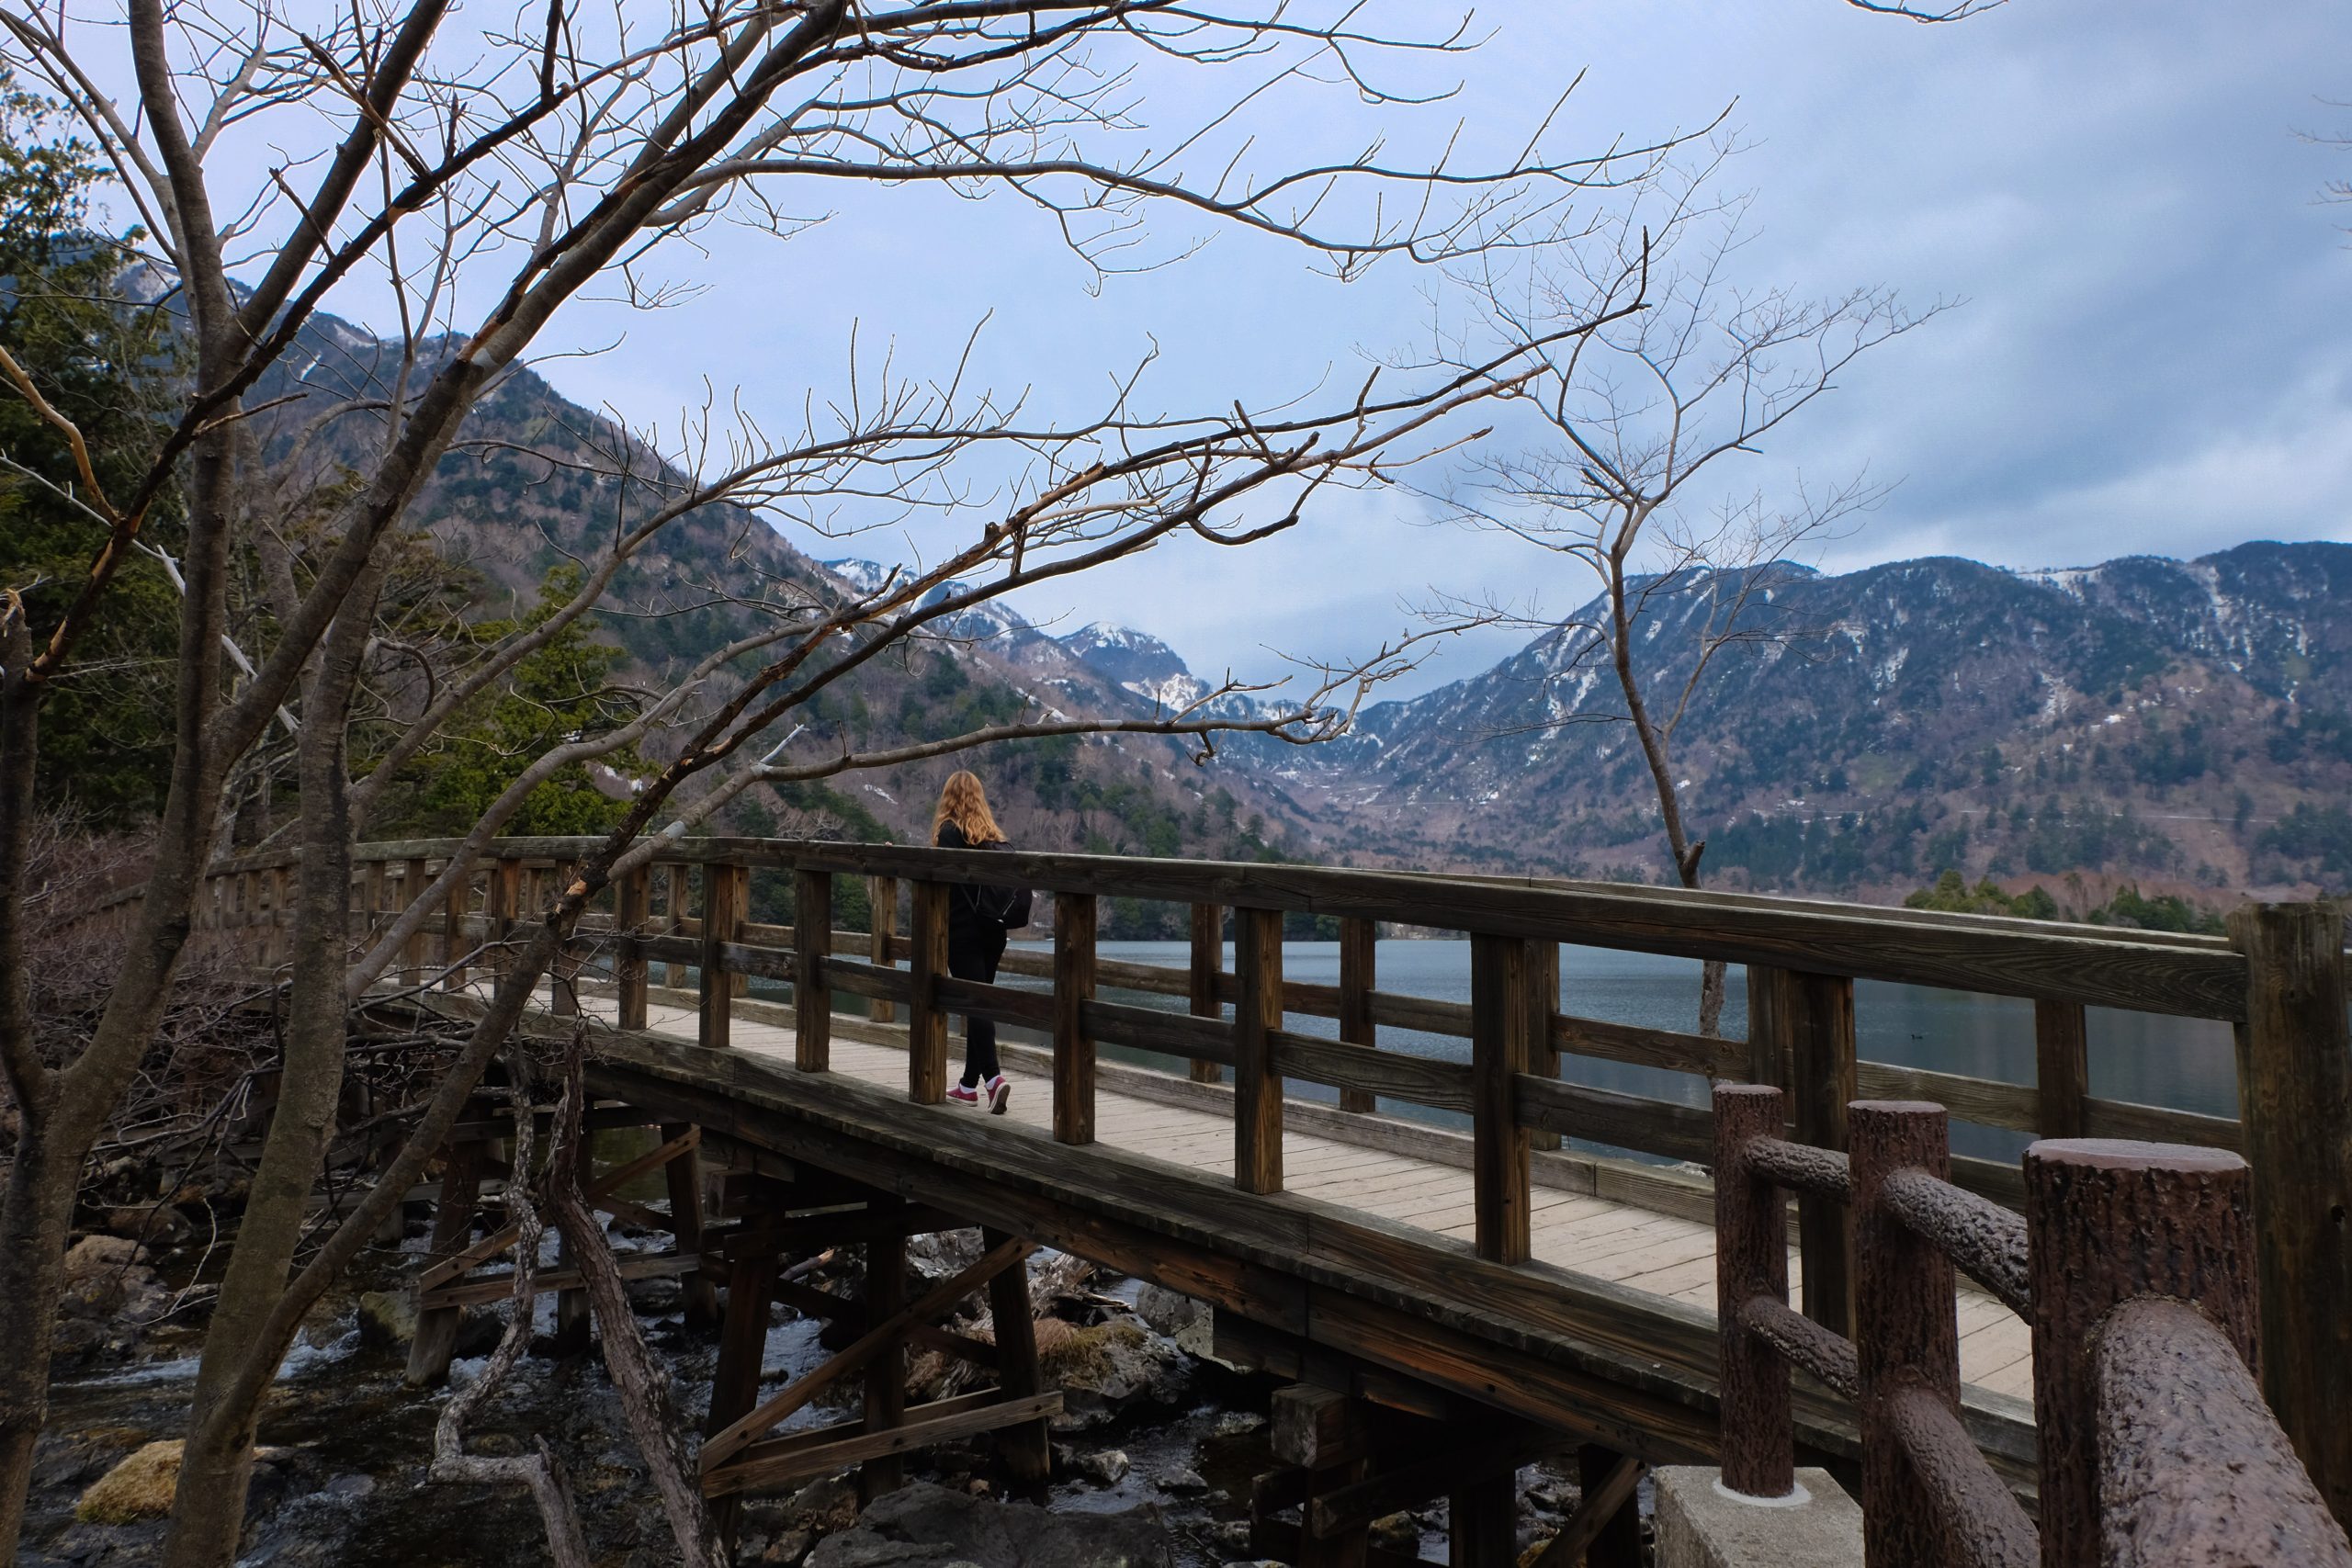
(978, 921)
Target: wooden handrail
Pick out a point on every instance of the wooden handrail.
(2134, 1264)
(2101, 966)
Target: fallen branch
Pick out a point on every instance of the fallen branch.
(639, 1376)
(541, 1472)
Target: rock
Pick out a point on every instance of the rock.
(1103, 1369)
(96, 1255)
(1105, 1467)
(1233, 1423)
(1189, 1323)
(1397, 1532)
(151, 1223)
(141, 1488)
(788, 1548)
(923, 1526)
(1181, 1480)
(824, 1505)
(1232, 1536)
(387, 1318)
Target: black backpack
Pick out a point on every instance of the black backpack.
(1011, 908)
(1008, 907)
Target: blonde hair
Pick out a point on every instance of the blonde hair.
(963, 801)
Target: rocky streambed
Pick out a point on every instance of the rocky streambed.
(1155, 1453)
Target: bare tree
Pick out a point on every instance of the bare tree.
(1629, 418)
(564, 150)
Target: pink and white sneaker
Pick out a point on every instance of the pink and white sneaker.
(1000, 1092)
(963, 1094)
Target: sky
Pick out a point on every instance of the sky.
(2148, 348)
(2145, 344)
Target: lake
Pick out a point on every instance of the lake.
(2185, 1063)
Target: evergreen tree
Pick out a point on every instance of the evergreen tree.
(107, 364)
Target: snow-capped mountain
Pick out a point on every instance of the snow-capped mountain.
(1132, 662)
(2145, 717)
(1138, 662)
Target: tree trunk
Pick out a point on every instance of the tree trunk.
(1655, 742)
(209, 1509)
(41, 1184)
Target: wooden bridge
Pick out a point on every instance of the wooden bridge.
(1536, 1274)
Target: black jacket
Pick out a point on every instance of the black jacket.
(975, 914)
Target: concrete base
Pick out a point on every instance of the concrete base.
(1700, 1524)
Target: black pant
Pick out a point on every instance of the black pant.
(972, 955)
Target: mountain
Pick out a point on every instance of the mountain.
(2181, 724)
(2158, 719)
(529, 491)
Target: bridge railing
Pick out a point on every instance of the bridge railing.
(2278, 980)
(2134, 1264)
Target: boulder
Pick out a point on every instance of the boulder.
(1191, 1324)
(1103, 1369)
(153, 1222)
(1104, 1467)
(141, 1488)
(823, 1505)
(387, 1317)
(923, 1526)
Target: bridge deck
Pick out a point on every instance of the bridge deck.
(1615, 1241)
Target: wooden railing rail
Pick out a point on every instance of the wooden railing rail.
(2135, 1266)
(2278, 980)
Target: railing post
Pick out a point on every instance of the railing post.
(371, 896)
(926, 1023)
(2062, 1068)
(813, 1000)
(882, 900)
(1751, 1259)
(2295, 1106)
(456, 906)
(725, 897)
(2109, 1221)
(673, 906)
(632, 912)
(1257, 1016)
(1073, 988)
(1358, 968)
(1208, 962)
(1806, 1020)
(502, 908)
(413, 952)
(563, 972)
(1502, 1007)
(1543, 1048)
(1906, 1330)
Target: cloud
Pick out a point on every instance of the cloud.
(2151, 355)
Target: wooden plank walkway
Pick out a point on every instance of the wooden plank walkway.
(1604, 1238)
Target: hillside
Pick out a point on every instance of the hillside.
(2183, 724)
(530, 489)
(2178, 724)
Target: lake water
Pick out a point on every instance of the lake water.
(2185, 1063)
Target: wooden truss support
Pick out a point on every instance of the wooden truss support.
(737, 1457)
(453, 1220)
(1024, 1448)
(598, 1194)
(1606, 1529)
(681, 1174)
(827, 1448)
